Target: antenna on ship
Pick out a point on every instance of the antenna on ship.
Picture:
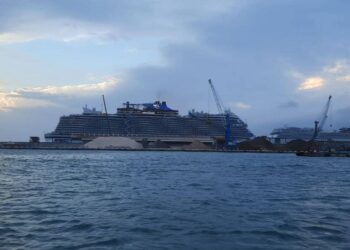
(104, 103)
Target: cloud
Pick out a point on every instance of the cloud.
(339, 71)
(8, 102)
(340, 66)
(76, 90)
(45, 96)
(65, 30)
(104, 20)
(312, 83)
(334, 75)
(242, 105)
(289, 104)
(245, 50)
(227, 51)
(345, 78)
(14, 37)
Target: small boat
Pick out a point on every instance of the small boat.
(323, 154)
(313, 154)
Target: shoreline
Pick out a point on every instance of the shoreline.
(76, 147)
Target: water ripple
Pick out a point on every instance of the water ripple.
(170, 200)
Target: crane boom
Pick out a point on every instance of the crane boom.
(226, 116)
(325, 114)
(320, 124)
(104, 103)
(217, 98)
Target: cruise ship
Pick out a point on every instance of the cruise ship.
(148, 122)
(288, 134)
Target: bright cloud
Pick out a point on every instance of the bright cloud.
(8, 102)
(312, 83)
(242, 105)
(337, 73)
(42, 96)
(80, 89)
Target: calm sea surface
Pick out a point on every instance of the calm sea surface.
(172, 200)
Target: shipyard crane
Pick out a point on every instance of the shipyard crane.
(218, 101)
(226, 114)
(320, 124)
(107, 117)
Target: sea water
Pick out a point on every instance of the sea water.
(172, 200)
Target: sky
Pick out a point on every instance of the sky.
(273, 62)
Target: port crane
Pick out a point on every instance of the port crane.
(107, 116)
(224, 112)
(319, 124)
(218, 101)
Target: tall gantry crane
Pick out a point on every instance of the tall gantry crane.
(320, 124)
(225, 113)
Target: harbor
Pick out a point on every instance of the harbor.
(170, 125)
(157, 127)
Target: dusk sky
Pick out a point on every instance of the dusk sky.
(273, 62)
